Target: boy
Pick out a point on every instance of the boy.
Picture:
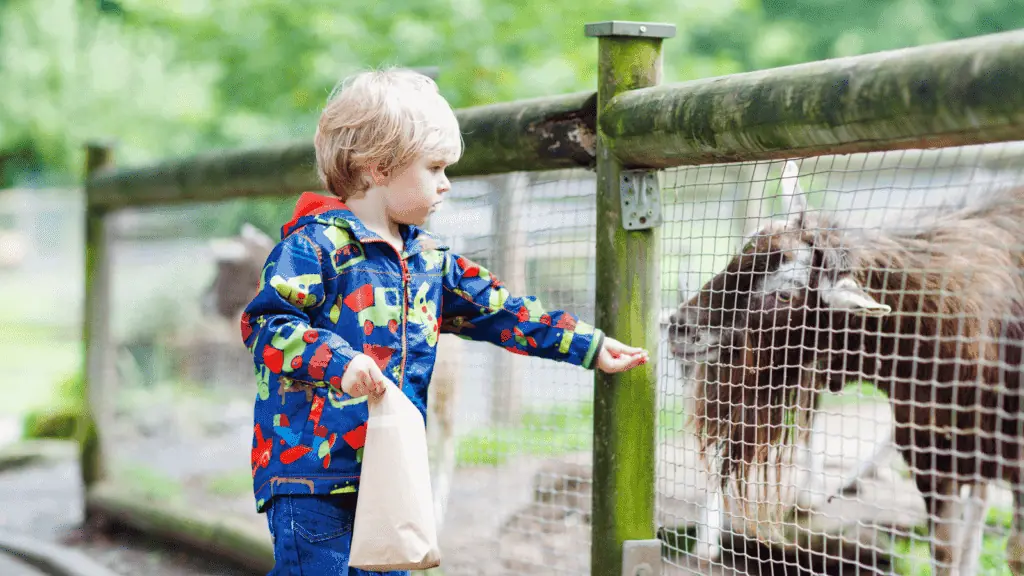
(356, 293)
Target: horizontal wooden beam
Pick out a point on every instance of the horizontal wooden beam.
(221, 536)
(538, 134)
(548, 133)
(946, 94)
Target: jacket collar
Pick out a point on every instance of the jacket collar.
(330, 211)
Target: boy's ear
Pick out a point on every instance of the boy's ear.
(379, 175)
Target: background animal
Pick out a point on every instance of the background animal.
(239, 261)
(933, 316)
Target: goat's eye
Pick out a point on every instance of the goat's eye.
(784, 296)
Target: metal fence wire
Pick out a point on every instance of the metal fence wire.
(510, 435)
(841, 357)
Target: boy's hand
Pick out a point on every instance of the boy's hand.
(363, 377)
(617, 357)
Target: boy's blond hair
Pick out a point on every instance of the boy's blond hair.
(385, 118)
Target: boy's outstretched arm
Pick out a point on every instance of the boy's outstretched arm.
(477, 305)
(276, 324)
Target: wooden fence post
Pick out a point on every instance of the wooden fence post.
(623, 537)
(95, 325)
(509, 263)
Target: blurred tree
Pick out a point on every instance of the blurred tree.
(182, 76)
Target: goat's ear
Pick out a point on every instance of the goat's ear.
(793, 202)
(847, 295)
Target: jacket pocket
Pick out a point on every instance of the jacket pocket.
(319, 518)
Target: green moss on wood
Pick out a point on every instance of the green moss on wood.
(953, 93)
(628, 288)
(538, 134)
(630, 63)
(98, 159)
(91, 453)
(57, 424)
(58, 420)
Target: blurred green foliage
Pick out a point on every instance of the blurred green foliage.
(57, 419)
(178, 77)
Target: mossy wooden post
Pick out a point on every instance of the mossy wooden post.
(628, 286)
(95, 321)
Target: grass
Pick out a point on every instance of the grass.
(852, 393)
(236, 483)
(562, 429)
(557, 430)
(36, 359)
(913, 557)
(146, 482)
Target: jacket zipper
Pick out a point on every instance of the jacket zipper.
(405, 314)
(405, 307)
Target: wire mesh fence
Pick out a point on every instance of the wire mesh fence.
(866, 315)
(510, 435)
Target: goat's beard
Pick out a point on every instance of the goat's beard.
(752, 416)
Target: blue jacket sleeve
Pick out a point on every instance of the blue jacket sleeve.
(276, 325)
(477, 306)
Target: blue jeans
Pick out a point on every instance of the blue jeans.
(312, 536)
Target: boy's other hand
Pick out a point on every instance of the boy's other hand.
(617, 357)
(363, 377)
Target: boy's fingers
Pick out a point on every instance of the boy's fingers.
(377, 377)
(371, 382)
(379, 382)
(617, 348)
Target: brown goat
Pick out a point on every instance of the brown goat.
(934, 317)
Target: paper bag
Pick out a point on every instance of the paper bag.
(394, 526)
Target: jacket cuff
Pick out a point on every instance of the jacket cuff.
(596, 342)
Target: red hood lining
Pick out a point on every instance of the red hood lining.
(311, 204)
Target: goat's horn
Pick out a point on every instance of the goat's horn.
(848, 295)
(792, 196)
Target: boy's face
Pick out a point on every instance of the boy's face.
(415, 192)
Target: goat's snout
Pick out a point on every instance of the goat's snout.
(680, 326)
(689, 340)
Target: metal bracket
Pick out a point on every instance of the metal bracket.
(640, 196)
(641, 558)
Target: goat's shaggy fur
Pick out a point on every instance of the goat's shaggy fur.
(934, 317)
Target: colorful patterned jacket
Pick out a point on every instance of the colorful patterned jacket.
(332, 289)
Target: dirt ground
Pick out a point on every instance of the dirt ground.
(492, 528)
(45, 501)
